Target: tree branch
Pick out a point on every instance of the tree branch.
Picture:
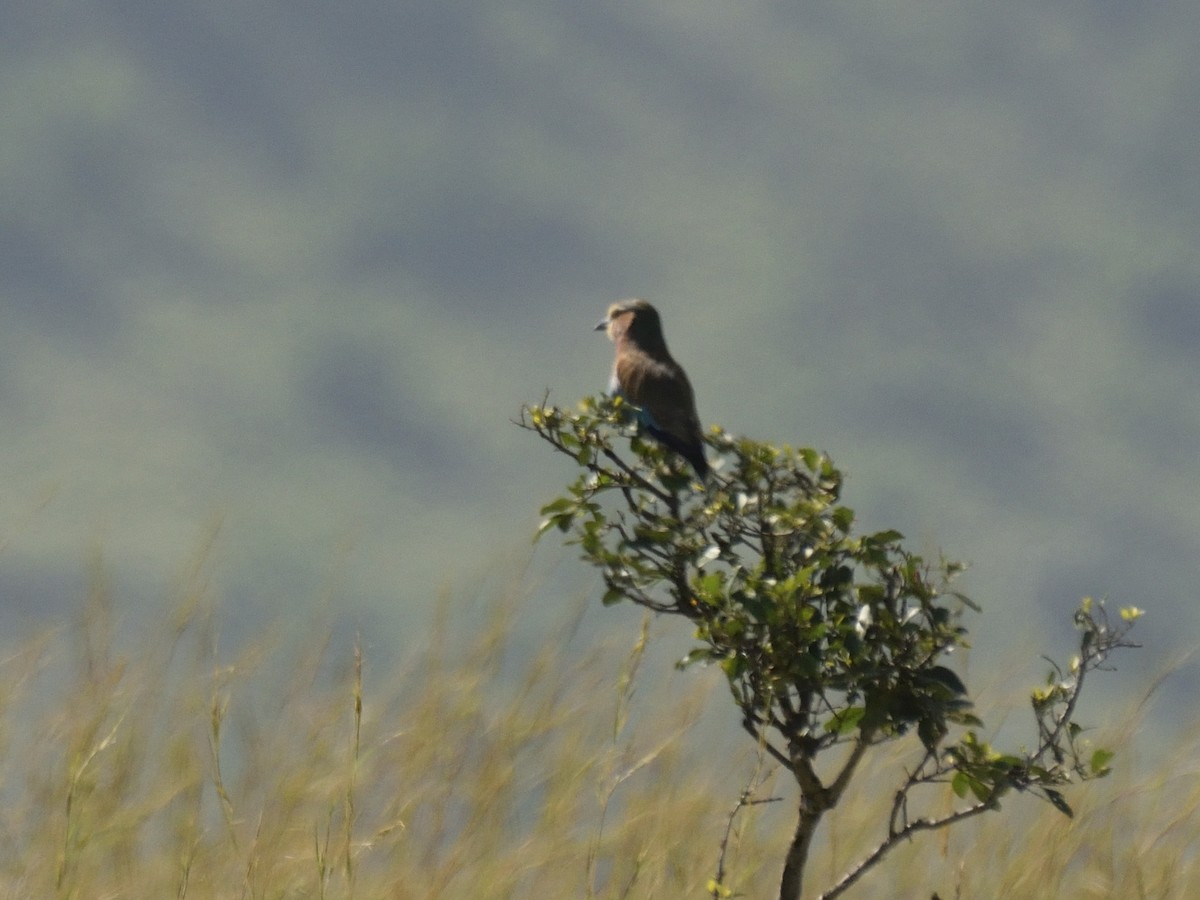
(904, 833)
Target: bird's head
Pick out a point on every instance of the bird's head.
(637, 321)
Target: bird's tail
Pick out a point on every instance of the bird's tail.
(692, 452)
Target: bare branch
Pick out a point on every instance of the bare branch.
(911, 828)
(746, 798)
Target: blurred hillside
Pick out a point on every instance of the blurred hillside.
(293, 267)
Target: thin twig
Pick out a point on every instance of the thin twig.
(903, 834)
(746, 798)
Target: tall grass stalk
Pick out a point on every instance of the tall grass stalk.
(140, 761)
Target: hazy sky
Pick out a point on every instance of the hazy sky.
(296, 266)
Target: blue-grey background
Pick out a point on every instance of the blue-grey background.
(294, 267)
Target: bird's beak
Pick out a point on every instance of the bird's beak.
(601, 325)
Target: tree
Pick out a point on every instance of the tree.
(832, 642)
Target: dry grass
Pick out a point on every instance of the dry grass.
(166, 770)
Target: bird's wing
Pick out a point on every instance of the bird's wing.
(663, 391)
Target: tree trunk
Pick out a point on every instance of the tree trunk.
(797, 855)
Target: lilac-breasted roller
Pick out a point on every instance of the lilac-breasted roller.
(646, 376)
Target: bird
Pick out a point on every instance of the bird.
(645, 375)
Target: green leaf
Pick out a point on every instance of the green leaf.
(930, 732)
(697, 655)
(561, 521)
(982, 791)
(1060, 804)
(960, 784)
(843, 518)
(947, 678)
(717, 890)
(612, 596)
(562, 504)
(1099, 761)
(733, 666)
(651, 535)
(964, 782)
(710, 585)
(756, 605)
(965, 601)
(845, 721)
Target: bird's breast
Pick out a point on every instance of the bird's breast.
(614, 383)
